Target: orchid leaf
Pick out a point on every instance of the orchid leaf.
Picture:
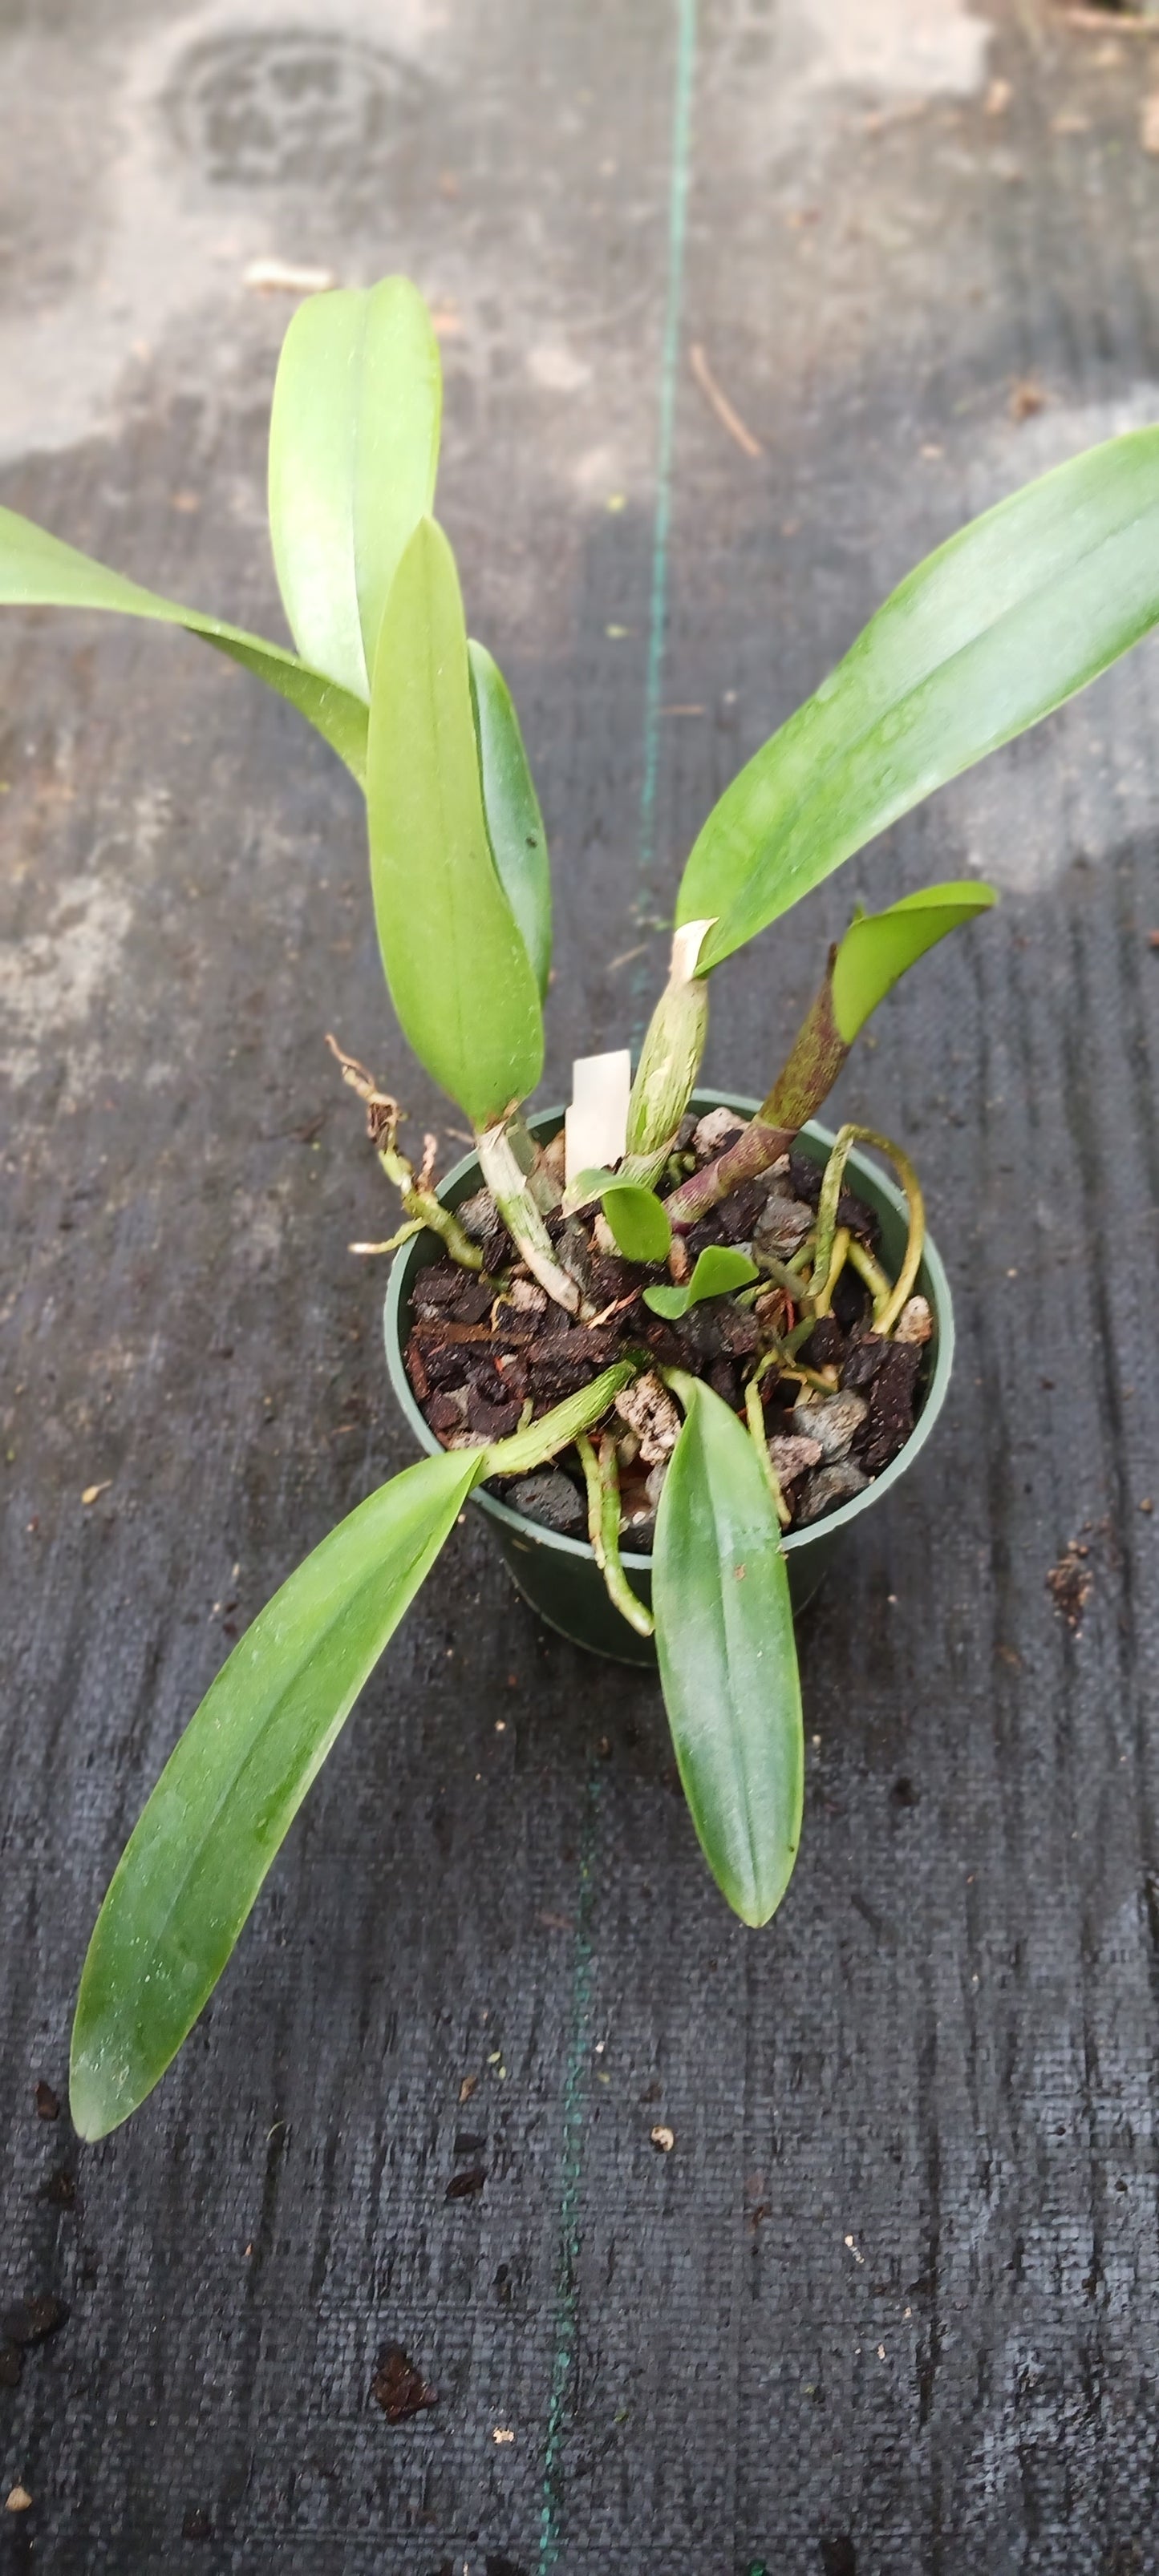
(354, 447)
(514, 821)
(458, 970)
(587, 1186)
(40, 571)
(718, 1270)
(233, 1785)
(1013, 615)
(728, 1658)
(638, 1220)
(879, 946)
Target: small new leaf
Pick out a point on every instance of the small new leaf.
(718, 1270)
(879, 946)
(587, 1186)
(728, 1660)
(638, 1220)
(231, 1788)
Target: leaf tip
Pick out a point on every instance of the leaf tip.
(92, 2113)
(757, 1908)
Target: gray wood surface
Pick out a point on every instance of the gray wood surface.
(889, 2307)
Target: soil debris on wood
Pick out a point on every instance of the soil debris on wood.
(398, 2387)
(488, 1354)
(47, 2102)
(1069, 1582)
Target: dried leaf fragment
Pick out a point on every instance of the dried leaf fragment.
(17, 2500)
(728, 417)
(398, 2387)
(663, 2138)
(465, 2186)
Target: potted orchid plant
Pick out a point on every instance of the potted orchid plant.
(673, 1343)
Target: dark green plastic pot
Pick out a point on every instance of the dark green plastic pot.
(559, 1576)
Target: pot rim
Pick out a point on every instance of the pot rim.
(931, 1277)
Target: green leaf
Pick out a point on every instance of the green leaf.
(728, 1659)
(1003, 623)
(39, 571)
(514, 821)
(354, 448)
(718, 1269)
(879, 946)
(459, 974)
(586, 1186)
(230, 1790)
(638, 1220)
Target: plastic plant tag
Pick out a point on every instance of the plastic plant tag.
(596, 1125)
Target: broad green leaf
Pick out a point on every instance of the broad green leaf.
(878, 946)
(1012, 616)
(459, 974)
(728, 1660)
(39, 571)
(230, 1790)
(514, 821)
(718, 1269)
(638, 1220)
(354, 448)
